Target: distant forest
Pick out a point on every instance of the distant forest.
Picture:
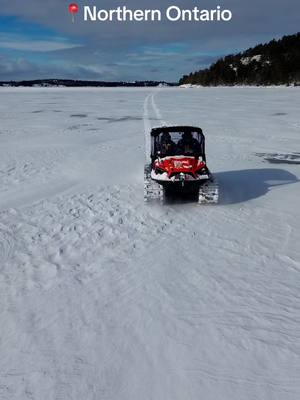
(81, 83)
(273, 63)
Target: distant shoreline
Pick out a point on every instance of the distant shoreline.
(82, 83)
(16, 85)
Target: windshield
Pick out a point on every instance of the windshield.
(178, 143)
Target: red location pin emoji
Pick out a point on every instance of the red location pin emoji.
(73, 9)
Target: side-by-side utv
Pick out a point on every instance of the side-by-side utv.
(178, 165)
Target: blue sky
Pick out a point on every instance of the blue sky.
(39, 40)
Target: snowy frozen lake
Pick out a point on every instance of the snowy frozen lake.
(104, 297)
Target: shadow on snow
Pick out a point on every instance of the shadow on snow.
(243, 185)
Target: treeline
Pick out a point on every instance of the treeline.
(81, 83)
(273, 63)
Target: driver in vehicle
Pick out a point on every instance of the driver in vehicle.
(167, 146)
(188, 145)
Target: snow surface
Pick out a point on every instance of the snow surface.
(248, 60)
(103, 297)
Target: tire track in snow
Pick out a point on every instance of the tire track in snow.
(157, 110)
(150, 107)
(147, 127)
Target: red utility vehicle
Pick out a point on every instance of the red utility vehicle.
(178, 165)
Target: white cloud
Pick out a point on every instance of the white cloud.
(21, 69)
(23, 43)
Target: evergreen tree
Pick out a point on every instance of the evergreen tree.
(273, 63)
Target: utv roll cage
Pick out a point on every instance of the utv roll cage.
(157, 132)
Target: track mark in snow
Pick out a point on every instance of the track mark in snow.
(280, 158)
(120, 119)
(147, 127)
(78, 115)
(6, 244)
(38, 111)
(157, 110)
(150, 107)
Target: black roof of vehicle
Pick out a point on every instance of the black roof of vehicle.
(158, 130)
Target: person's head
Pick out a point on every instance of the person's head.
(165, 137)
(187, 136)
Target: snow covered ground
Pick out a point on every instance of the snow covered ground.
(103, 297)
